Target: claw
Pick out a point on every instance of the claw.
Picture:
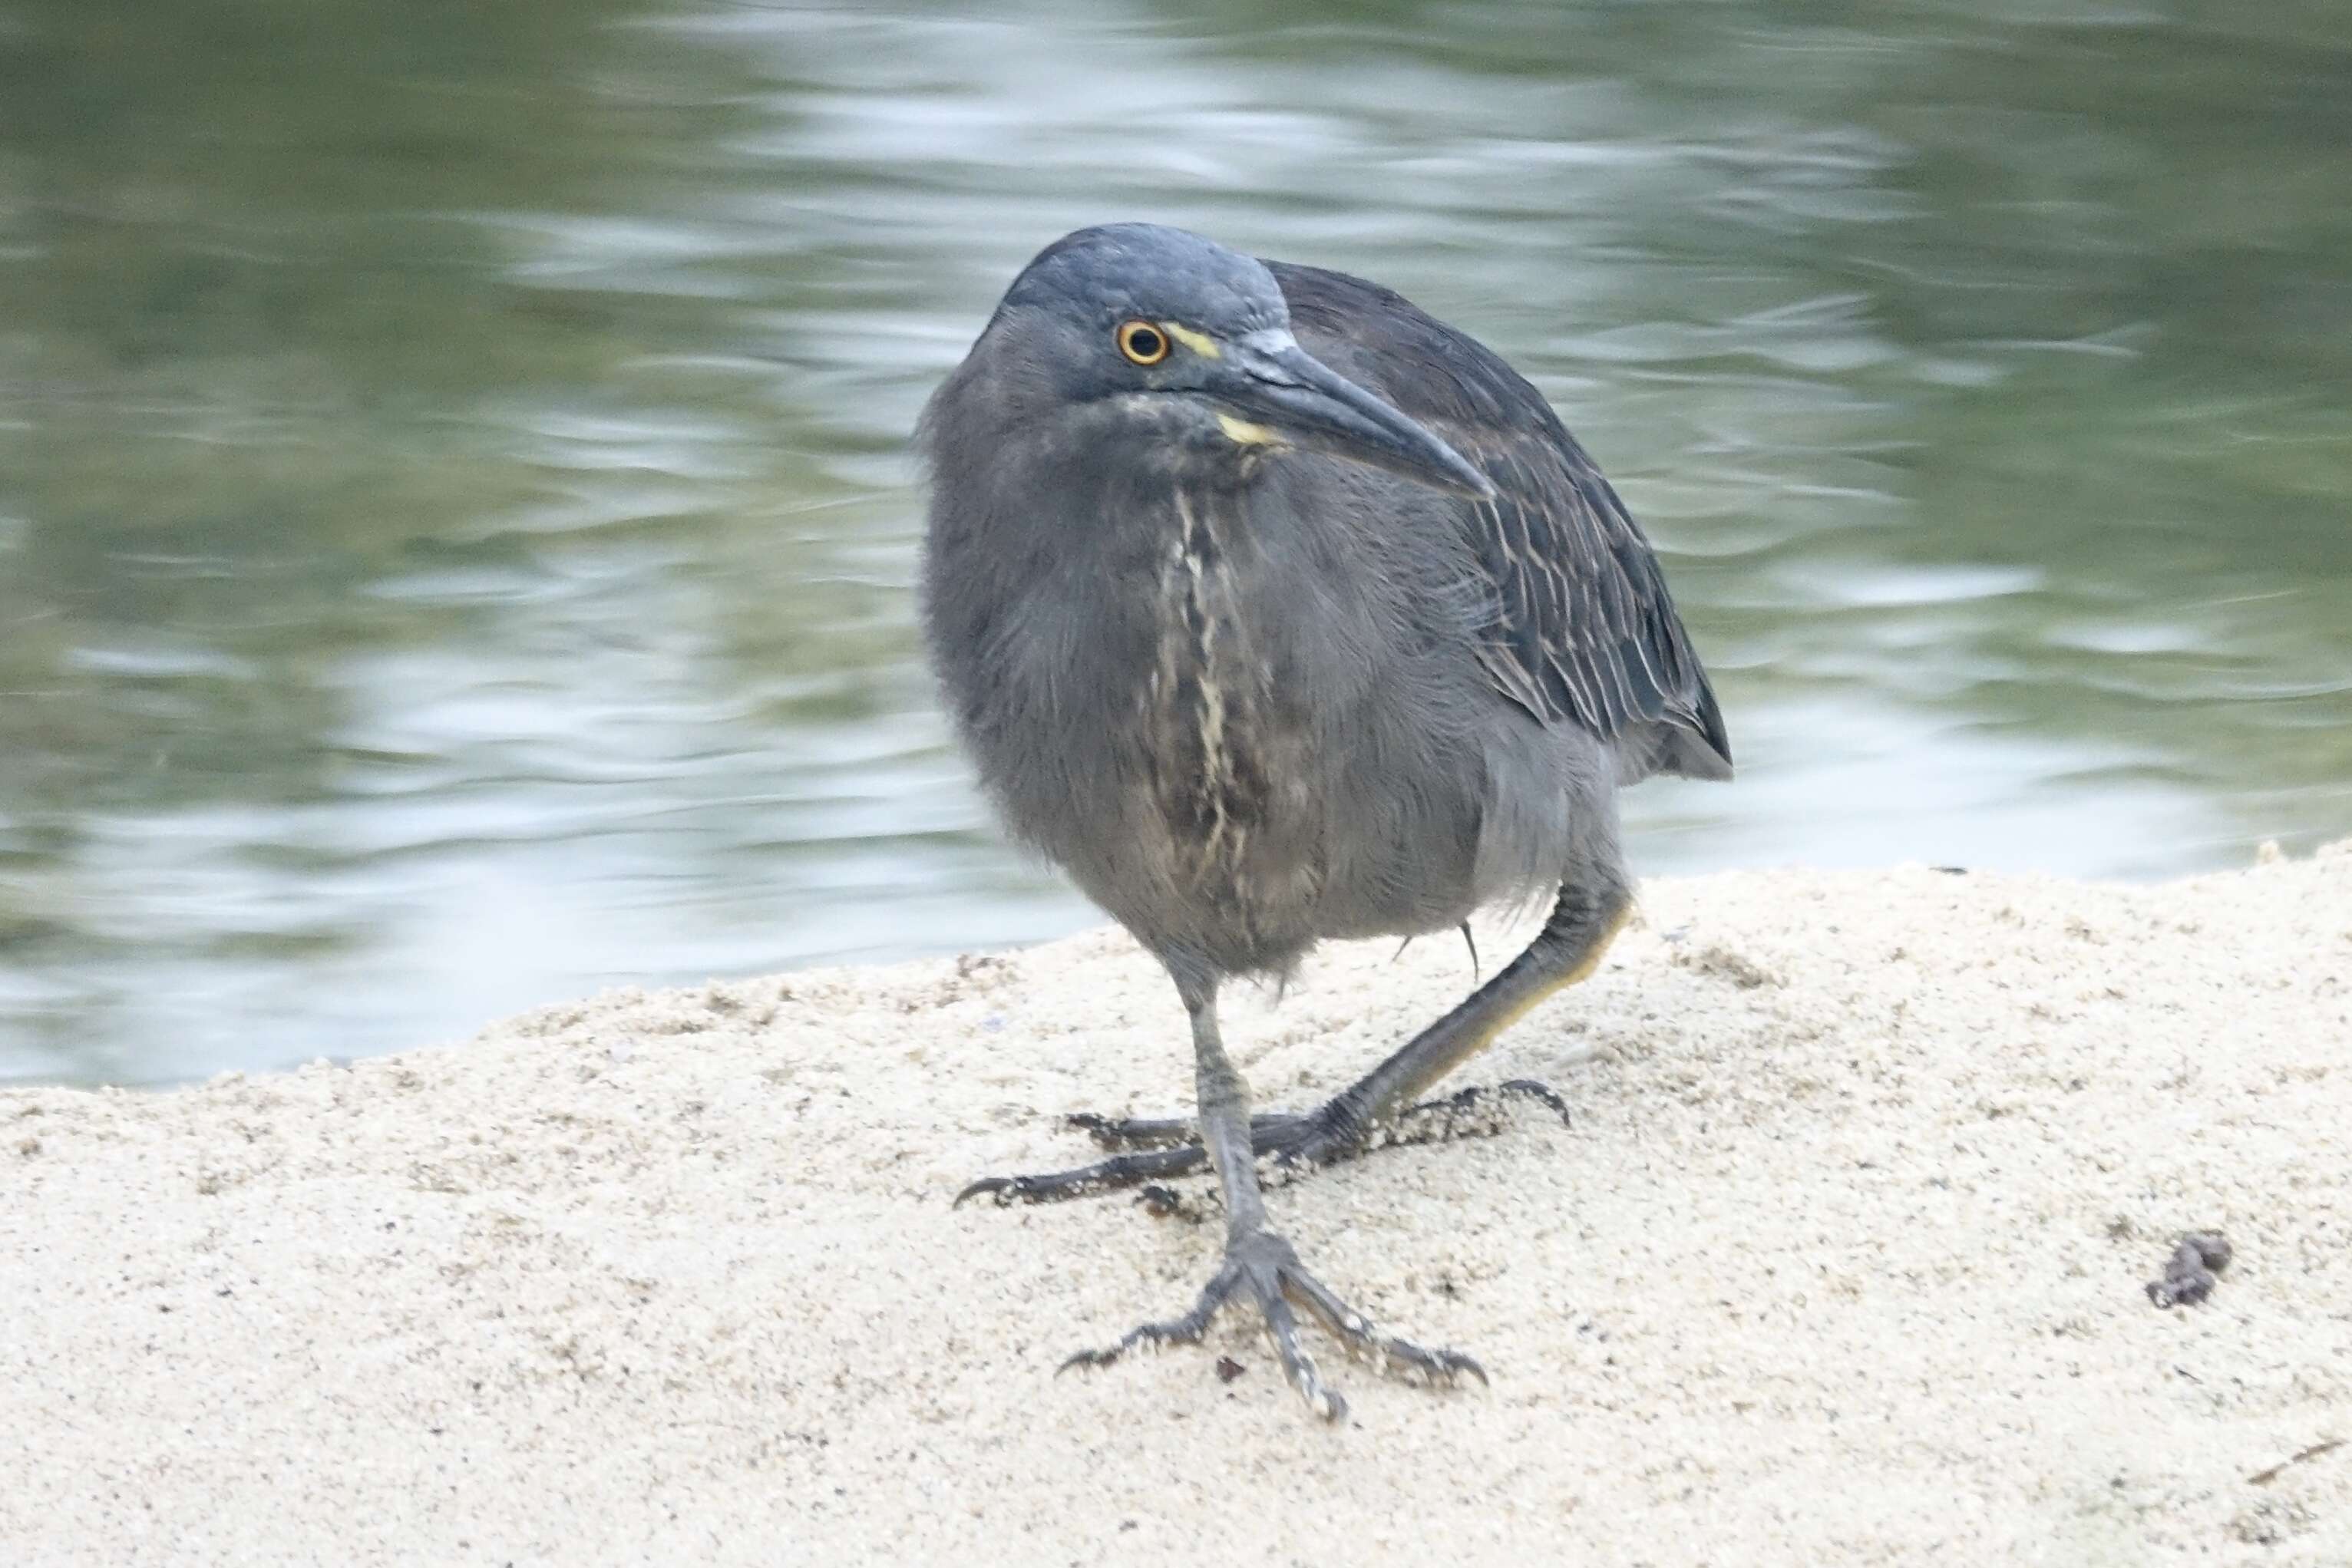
(984, 1184)
(1537, 1090)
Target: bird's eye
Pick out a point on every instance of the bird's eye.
(1142, 343)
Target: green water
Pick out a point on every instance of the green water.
(456, 532)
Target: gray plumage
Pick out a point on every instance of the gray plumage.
(1317, 625)
(1583, 629)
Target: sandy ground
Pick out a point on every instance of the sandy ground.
(1841, 1262)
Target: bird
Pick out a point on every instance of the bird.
(1274, 610)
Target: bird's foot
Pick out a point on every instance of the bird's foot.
(1330, 1135)
(1335, 1132)
(1288, 1144)
(1262, 1269)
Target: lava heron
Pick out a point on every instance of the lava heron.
(1273, 609)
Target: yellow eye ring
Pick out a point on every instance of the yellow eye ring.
(1141, 342)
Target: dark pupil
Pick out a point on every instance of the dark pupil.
(1143, 343)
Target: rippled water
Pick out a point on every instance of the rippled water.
(455, 530)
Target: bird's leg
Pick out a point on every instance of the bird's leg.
(1384, 1108)
(1259, 1266)
(1164, 1132)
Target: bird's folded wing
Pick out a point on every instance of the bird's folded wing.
(1585, 628)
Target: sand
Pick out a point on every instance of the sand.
(1841, 1261)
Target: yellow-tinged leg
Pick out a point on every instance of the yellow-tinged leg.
(1568, 948)
(1385, 1100)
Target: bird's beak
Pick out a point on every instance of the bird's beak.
(1290, 395)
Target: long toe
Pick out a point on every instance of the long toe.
(1103, 1175)
(1161, 1132)
(1270, 1266)
(1391, 1356)
(1337, 1130)
(1134, 1132)
(1187, 1330)
(1298, 1368)
(1474, 1112)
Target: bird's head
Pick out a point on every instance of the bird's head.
(1150, 347)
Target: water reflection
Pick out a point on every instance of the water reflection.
(456, 535)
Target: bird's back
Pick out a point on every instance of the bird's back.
(1583, 630)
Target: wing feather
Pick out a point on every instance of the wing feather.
(1585, 631)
